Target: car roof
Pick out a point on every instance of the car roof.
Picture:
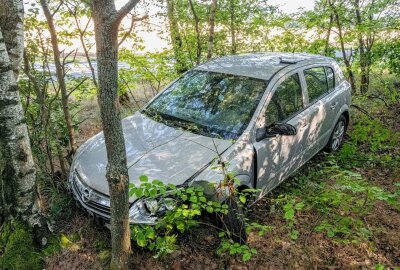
(259, 65)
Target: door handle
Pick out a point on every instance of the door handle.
(333, 105)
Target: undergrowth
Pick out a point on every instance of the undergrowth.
(333, 189)
(17, 248)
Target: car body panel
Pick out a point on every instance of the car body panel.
(180, 157)
(256, 65)
(153, 149)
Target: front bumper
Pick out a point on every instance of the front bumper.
(98, 204)
(84, 197)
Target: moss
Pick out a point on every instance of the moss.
(17, 248)
(53, 246)
(104, 258)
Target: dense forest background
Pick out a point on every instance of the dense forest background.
(340, 212)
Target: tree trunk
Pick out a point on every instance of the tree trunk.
(176, 39)
(233, 31)
(361, 45)
(106, 23)
(196, 24)
(328, 35)
(60, 74)
(17, 170)
(345, 58)
(212, 29)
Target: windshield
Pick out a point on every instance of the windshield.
(209, 103)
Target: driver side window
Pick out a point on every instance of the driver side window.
(286, 101)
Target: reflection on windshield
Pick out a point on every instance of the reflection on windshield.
(209, 103)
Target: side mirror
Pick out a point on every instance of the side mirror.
(277, 128)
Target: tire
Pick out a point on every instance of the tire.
(233, 221)
(337, 136)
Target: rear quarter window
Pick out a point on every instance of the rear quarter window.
(330, 77)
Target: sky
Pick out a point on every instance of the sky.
(153, 42)
(290, 6)
(287, 6)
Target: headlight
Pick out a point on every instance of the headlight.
(151, 206)
(147, 210)
(169, 203)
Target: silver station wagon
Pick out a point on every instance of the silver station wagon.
(265, 114)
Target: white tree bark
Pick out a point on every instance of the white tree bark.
(17, 170)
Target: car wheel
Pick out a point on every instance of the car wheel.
(233, 221)
(337, 136)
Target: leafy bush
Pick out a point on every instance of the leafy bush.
(190, 204)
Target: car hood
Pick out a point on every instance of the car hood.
(153, 149)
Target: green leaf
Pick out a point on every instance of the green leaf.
(242, 199)
(289, 214)
(202, 199)
(141, 239)
(157, 182)
(150, 234)
(180, 226)
(246, 256)
(294, 234)
(143, 179)
(153, 192)
(299, 206)
(139, 192)
(64, 241)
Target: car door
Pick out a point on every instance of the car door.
(322, 106)
(279, 156)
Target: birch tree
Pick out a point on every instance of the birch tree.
(17, 170)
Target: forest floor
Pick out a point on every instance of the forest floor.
(350, 218)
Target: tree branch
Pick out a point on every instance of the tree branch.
(125, 10)
(58, 7)
(363, 111)
(133, 20)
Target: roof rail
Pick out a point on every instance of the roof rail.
(288, 61)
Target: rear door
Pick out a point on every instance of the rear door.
(322, 105)
(279, 156)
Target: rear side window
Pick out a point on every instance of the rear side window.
(286, 101)
(316, 82)
(330, 78)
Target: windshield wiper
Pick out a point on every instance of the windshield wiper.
(174, 121)
(187, 125)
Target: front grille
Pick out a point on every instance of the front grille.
(92, 206)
